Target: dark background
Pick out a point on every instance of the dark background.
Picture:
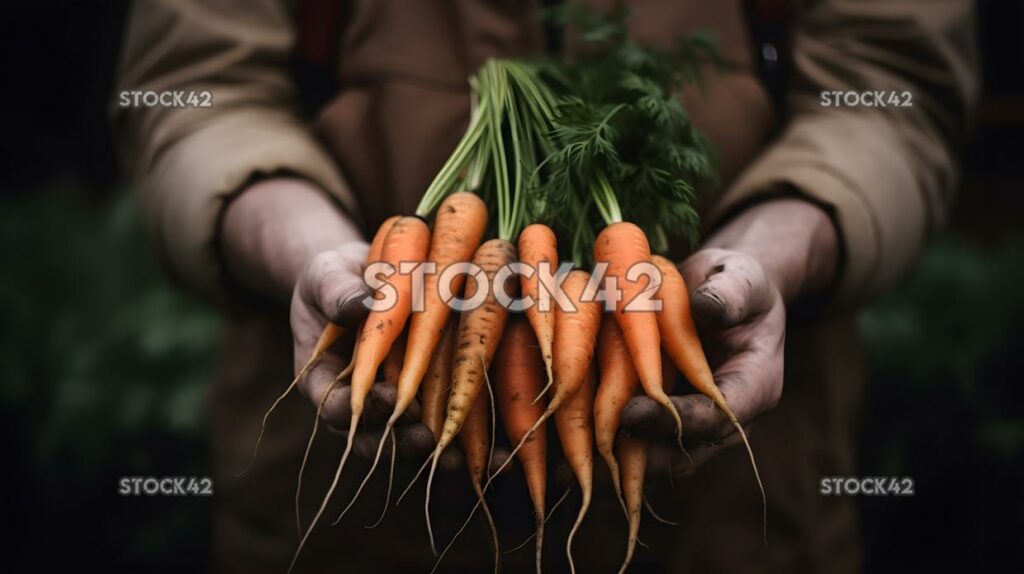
(103, 366)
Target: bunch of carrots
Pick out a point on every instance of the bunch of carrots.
(553, 149)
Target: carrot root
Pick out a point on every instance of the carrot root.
(312, 435)
(554, 507)
(330, 491)
(655, 515)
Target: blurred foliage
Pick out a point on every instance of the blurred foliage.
(105, 369)
(945, 406)
(954, 323)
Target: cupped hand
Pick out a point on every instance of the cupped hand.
(742, 323)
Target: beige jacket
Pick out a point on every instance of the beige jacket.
(888, 175)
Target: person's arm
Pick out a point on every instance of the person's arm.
(838, 206)
(240, 196)
(887, 174)
(187, 162)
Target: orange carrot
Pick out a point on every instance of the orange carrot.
(476, 445)
(537, 244)
(575, 424)
(573, 348)
(618, 384)
(518, 379)
(392, 365)
(373, 255)
(480, 331)
(622, 245)
(458, 228)
(681, 343)
(407, 240)
(377, 244)
(632, 455)
(438, 380)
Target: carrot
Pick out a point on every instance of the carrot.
(518, 379)
(377, 244)
(681, 343)
(622, 245)
(537, 244)
(438, 381)
(477, 447)
(618, 383)
(458, 228)
(407, 240)
(632, 456)
(330, 335)
(573, 349)
(479, 334)
(389, 369)
(575, 424)
(309, 443)
(392, 364)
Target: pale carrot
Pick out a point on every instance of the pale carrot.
(480, 331)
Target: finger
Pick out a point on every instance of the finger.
(728, 288)
(563, 473)
(664, 459)
(751, 383)
(377, 407)
(333, 283)
(318, 381)
(452, 460)
(366, 443)
(415, 441)
(498, 459)
(380, 404)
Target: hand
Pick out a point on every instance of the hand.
(332, 289)
(284, 237)
(772, 254)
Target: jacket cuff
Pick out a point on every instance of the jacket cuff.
(184, 193)
(845, 164)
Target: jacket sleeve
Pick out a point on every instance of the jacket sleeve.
(887, 174)
(186, 161)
